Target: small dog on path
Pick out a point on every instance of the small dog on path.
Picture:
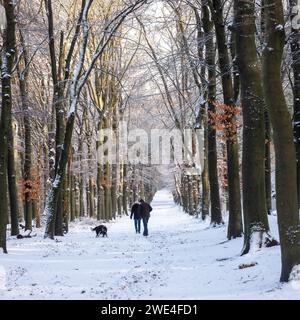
(100, 230)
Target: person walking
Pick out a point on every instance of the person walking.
(135, 214)
(144, 210)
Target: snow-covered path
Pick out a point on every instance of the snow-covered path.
(183, 258)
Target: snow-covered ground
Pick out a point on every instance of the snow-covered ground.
(183, 258)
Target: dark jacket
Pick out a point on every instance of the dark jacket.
(135, 211)
(144, 210)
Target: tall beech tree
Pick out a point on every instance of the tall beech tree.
(295, 50)
(23, 72)
(253, 107)
(285, 154)
(210, 57)
(235, 228)
(7, 61)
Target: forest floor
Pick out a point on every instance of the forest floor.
(183, 258)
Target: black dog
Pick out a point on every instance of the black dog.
(100, 230)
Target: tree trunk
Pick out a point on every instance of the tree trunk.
(36, 214)
(12, 181)
(190, 194)
(72, 197)
(114, 190)
(7, 59)
(23, 85)
(295, 49)
(76, 196)
(66, 202)
(59, 214)
(215, 205)
(268, 171)
(53, 195)
(204, 178)
(99, 192)
(235, 211)
(256, 224)
(285, 155)
(125, 189)
(91, 198)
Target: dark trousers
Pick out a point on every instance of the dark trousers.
(145, 223)
(137, 225)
